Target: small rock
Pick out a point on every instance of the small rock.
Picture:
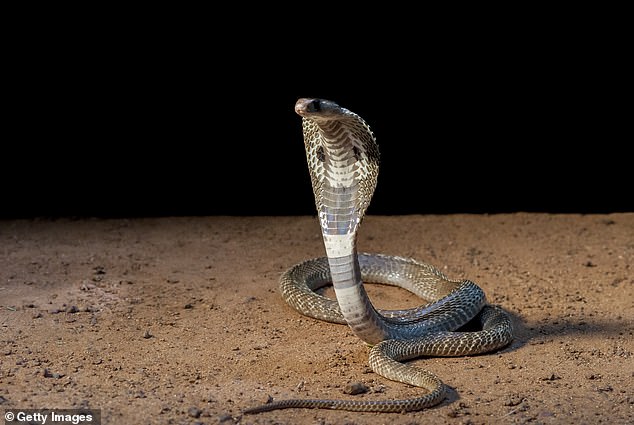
(3, 400)
(49, 374)
(224, 417)
(379, 389)
(194, 412)
(513, 400)
(87, 286)
(72, 309)
(355, 388)
(188, 306)
(552, 377)
(147, 334)
(589, 264)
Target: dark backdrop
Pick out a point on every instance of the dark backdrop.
(148, 132)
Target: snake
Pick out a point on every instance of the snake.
(343, 162)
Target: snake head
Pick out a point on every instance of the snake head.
(318, 108)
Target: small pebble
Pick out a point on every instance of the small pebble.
(355, 388)
(513, 400)
(224, 417)
(194, 412)
(49, 374)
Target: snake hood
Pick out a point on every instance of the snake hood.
(343, 160)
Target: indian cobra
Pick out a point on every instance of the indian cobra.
(343, 159)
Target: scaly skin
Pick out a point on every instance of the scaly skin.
(343, 160)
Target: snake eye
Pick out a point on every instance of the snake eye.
(314, 106)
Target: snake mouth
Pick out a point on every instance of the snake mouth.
(316, 108)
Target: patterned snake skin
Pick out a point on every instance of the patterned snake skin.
(343, 160)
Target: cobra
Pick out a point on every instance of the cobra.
(343, 160)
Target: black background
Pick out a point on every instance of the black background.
(158, 127)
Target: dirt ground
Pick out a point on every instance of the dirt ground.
(179, 320)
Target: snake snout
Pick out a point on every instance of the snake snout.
(309, 107)
(306, 106)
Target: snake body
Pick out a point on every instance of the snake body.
(343, 160)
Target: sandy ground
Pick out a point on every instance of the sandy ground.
(179, 321)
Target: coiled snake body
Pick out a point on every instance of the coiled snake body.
(343, 160)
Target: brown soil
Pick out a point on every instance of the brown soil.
(178, 320)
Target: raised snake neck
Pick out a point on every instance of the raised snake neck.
(343, 160)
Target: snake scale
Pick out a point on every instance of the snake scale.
(343, 160)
